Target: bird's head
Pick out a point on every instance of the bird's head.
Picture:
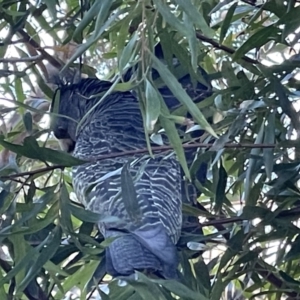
(65, 117)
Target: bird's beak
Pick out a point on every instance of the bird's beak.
(67, 145)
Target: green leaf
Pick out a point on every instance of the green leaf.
(146, 288)
(97, 33)
(19, 90)
(46, 26)
(88, 18)
(290, 22)
(20, 248)
(269, 138)
(65, 214)
(176, 143)
(32, 150)
(237, 241)
(253, 212)
(195, 16)
(3, 294)
(28, 257)
(103, 295)
(118, 292)
(194, 211)
(103, 13)
(180, 290)
(257, 40)
(51, 4)
(251, 170)
(169, 17)
(89, 216)
(249, 256)
(129, 194)
(153, 105)
(294, 252)
(128, 52)
(218, 287)
(35, 209)
(221, 187)
(26, 261)
(46, 254)
(193, 42)
(55, 107)
(79, 279)
(13, 13)
(27, 119)
(288, 279)
(202, 275)
(225, 258)
(227, 22)
(143, 290)
(181, 94)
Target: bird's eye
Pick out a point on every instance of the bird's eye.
(61, 133)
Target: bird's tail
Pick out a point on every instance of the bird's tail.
(131, 252)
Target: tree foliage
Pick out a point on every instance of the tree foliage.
(249, 204)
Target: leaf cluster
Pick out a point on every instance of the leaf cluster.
(249, 205)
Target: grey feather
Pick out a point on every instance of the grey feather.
(116, 125)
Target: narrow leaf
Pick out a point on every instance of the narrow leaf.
(27, 119)
(169, 17)
(195, 16)
(221, 186)
(129, 194)
(32, 150)
(269, 137)
(176, 143)
(46, 254)
(181, 290)
(227, 22)
(251, 173)
(153, 105)
(181, 94)
(89, 216)
(87, 18)
(258, 39)
(128, 52)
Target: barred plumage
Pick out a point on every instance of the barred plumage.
(116, 125)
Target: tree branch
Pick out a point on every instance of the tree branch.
(137, 151)
(292, 213)
(217, 45)
(12, 42)
(252, 3)
(21, 59)
(28, 39)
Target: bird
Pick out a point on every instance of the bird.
(140, 195)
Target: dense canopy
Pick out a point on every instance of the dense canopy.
(246, 245)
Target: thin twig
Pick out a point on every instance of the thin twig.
(222, 221)
(138, 151)
(33, 172)
(217, 45)
(12, 42)
(252, 3)
(21, 59)
(28, 39)
(185, 146)
(290, 213)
